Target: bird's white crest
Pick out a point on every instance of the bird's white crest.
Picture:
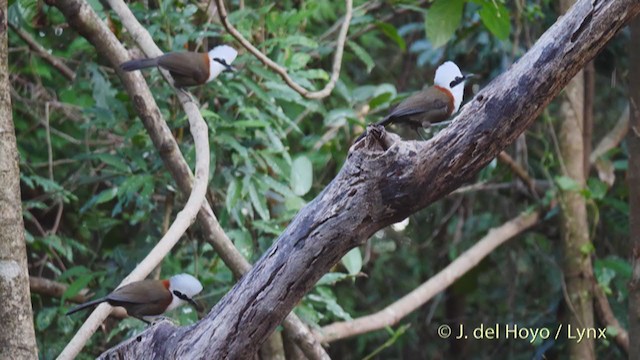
(445, 74)
(187, 285)
(222, 52)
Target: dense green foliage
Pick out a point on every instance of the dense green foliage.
(105, 201)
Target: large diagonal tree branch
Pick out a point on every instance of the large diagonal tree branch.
(383, 181)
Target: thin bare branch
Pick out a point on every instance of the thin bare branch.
(43, 53)
(504, 158)
(607, 317)
(423, 293)
(337, 57)
(613, 138)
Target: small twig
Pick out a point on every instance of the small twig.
(607, 317)
(42, 52)
(518, 171)
(613, 137)
(337, 58)
(48, 140)
(43, 286)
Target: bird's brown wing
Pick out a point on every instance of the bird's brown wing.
(144, 291)
(143, 299)
(430, 105)
(187, 68)
(181, 81)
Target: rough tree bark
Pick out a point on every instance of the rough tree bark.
(633, 179)
(383, 181)
(18, 340)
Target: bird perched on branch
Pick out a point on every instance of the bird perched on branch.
(189, 68)
(433, 104)
(150, 298)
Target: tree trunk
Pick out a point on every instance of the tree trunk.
(577, 268)
(577, 265)
(633, 178)
(383, 181)
(18, 339)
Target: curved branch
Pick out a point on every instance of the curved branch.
(222, 244)
(608, 318)
(337, 57)
(85, 20)
(419, 296)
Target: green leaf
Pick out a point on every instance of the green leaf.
(353, 261)
(77, 286)
(45, 317)
(259, 202)
(298, 61)
(587, 249)
(326, 297)
(243, 241)
(301, 175)
(338, 117)
(597, 189)
(109, 159)
(61, 247)
(283, 92)
(567, 184)
(392, 33)
(495, 17)
(363, 55)
(74, 271)
(442, 20)
(331, 278)
(104, 196)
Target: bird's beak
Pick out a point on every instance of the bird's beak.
(469, 76)
(196, 305)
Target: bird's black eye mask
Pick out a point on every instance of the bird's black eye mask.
(459, 79)
(227, 67)
(181, 295)
(184, 297)
(456, 81)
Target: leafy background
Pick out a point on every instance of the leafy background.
(272, 151)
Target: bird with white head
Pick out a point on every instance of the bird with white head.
(434, 104)
(147, 299)
(189, 68)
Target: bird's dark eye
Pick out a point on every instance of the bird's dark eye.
(456, 81)
(180, 295)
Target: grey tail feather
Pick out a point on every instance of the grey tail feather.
(86, 305)
(138, 64)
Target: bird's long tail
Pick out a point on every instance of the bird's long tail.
(138, 64)
(384, 122)
(86, 305)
